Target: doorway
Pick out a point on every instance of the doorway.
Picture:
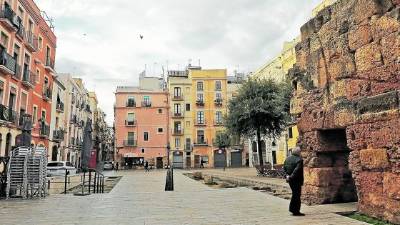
(54, 153)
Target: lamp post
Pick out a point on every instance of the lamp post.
(168, 149)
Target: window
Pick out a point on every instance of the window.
(160, 130)
(159, 111)
(37, 75)
(16, 53)
(27, 62)
(218, 96)
(131, 135)
(200, 97)
(177, 127)
(34, 116)
(200, 86)
(218, 117)
(188, 107)
(200, 136)
(177, 92)
(188, 144)
(12, 98)
(177, 142)
(188, 124)
(290, 132)
(24, 101)
(146, 101)
(131, 102)
(146, 136)
(218, 85)
(200, 117)
(48, 51)
(142, 150)
(177, 109)
(43, 115)
(40, 44)
(1, 91)
(130, 120)
(4, 40)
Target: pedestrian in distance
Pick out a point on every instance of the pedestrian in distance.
(116, 166)
(146, 166)
(293, 167)
(201, 163)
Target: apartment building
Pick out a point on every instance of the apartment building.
(141, 124)
(27, 47)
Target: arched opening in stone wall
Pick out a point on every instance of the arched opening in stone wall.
(330, 168)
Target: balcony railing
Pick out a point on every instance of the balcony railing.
(130, 143)
(177, 132)
(218, 123)
(31, 41)
(72, 141)
(188, 147)
(47, 93)
(24, 118)
(130, 104)
(49, 65)
(20, 32)
(200, 102)
(200, 142)
(146, 104)
(8, 17)
(58, 135)
(60, 107)
(8, 115)
(177, 97)
(44, 130)
(73, 119)
(29, 78)
(7, 62)
(200, 123)
(18, 72)
(218, 102)
(130, 123)
(177, 115)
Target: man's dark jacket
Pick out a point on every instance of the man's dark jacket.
(294, 168)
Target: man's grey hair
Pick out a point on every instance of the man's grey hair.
(296, 151)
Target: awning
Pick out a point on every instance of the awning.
(130, 155)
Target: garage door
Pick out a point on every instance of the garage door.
(177, 161)
(219, 159)
(236, 159)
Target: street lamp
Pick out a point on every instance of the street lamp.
(168, 149)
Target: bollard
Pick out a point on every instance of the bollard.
(65, 181)
(169, 182)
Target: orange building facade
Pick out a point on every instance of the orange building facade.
(141, 126)
(27, 47)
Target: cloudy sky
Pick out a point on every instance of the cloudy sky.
(98, 40)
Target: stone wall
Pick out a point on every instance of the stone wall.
(347, 99)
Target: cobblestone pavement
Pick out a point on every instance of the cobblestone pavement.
(139, 198)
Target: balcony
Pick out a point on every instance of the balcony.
(177, 98)
(201, 142)
(8, 18)
(73, 119)
(60, 107)
(218, 123)
(130, 143)
(130, 103)
(49, 65)
(7, 63)
(24, 118)
(31, 42)
(218, 102)
(18, 72)
(72, 141)
(177, 115)
(177, 132)
(44, 131)
(200, 123)
(188, 148)
(146, 104)
(130, 123)
(20, 32)
(29, 78)
(200, 102)
(47, 93)
(58, 135)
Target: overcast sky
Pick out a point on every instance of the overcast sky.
(98, 40)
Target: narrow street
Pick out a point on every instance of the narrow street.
(139, 198)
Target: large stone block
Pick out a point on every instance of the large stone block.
(391, 185)
(323, 177)
(378, 103)
(384, 26)
(390, 47)
(359, 36)
(374, 159)
(392, 211)
(368, 57)
(357, 88)
(364, 9)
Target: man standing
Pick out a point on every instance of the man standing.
(295, 177)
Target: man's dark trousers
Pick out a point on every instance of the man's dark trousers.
(295, 202)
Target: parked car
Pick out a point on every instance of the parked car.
(58, 168)
(108, 166)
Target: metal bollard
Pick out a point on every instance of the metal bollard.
(65, 181)
(90, 179)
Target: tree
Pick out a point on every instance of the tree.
(222, 140)
(259, 109)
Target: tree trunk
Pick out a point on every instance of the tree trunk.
(260, 158)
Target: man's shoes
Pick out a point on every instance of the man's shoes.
(299, 214)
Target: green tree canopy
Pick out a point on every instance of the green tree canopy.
(259, 109)
(222, 140)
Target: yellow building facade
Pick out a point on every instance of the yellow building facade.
(277, 69)
(198, 103)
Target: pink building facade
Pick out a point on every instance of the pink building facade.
(141, 126)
